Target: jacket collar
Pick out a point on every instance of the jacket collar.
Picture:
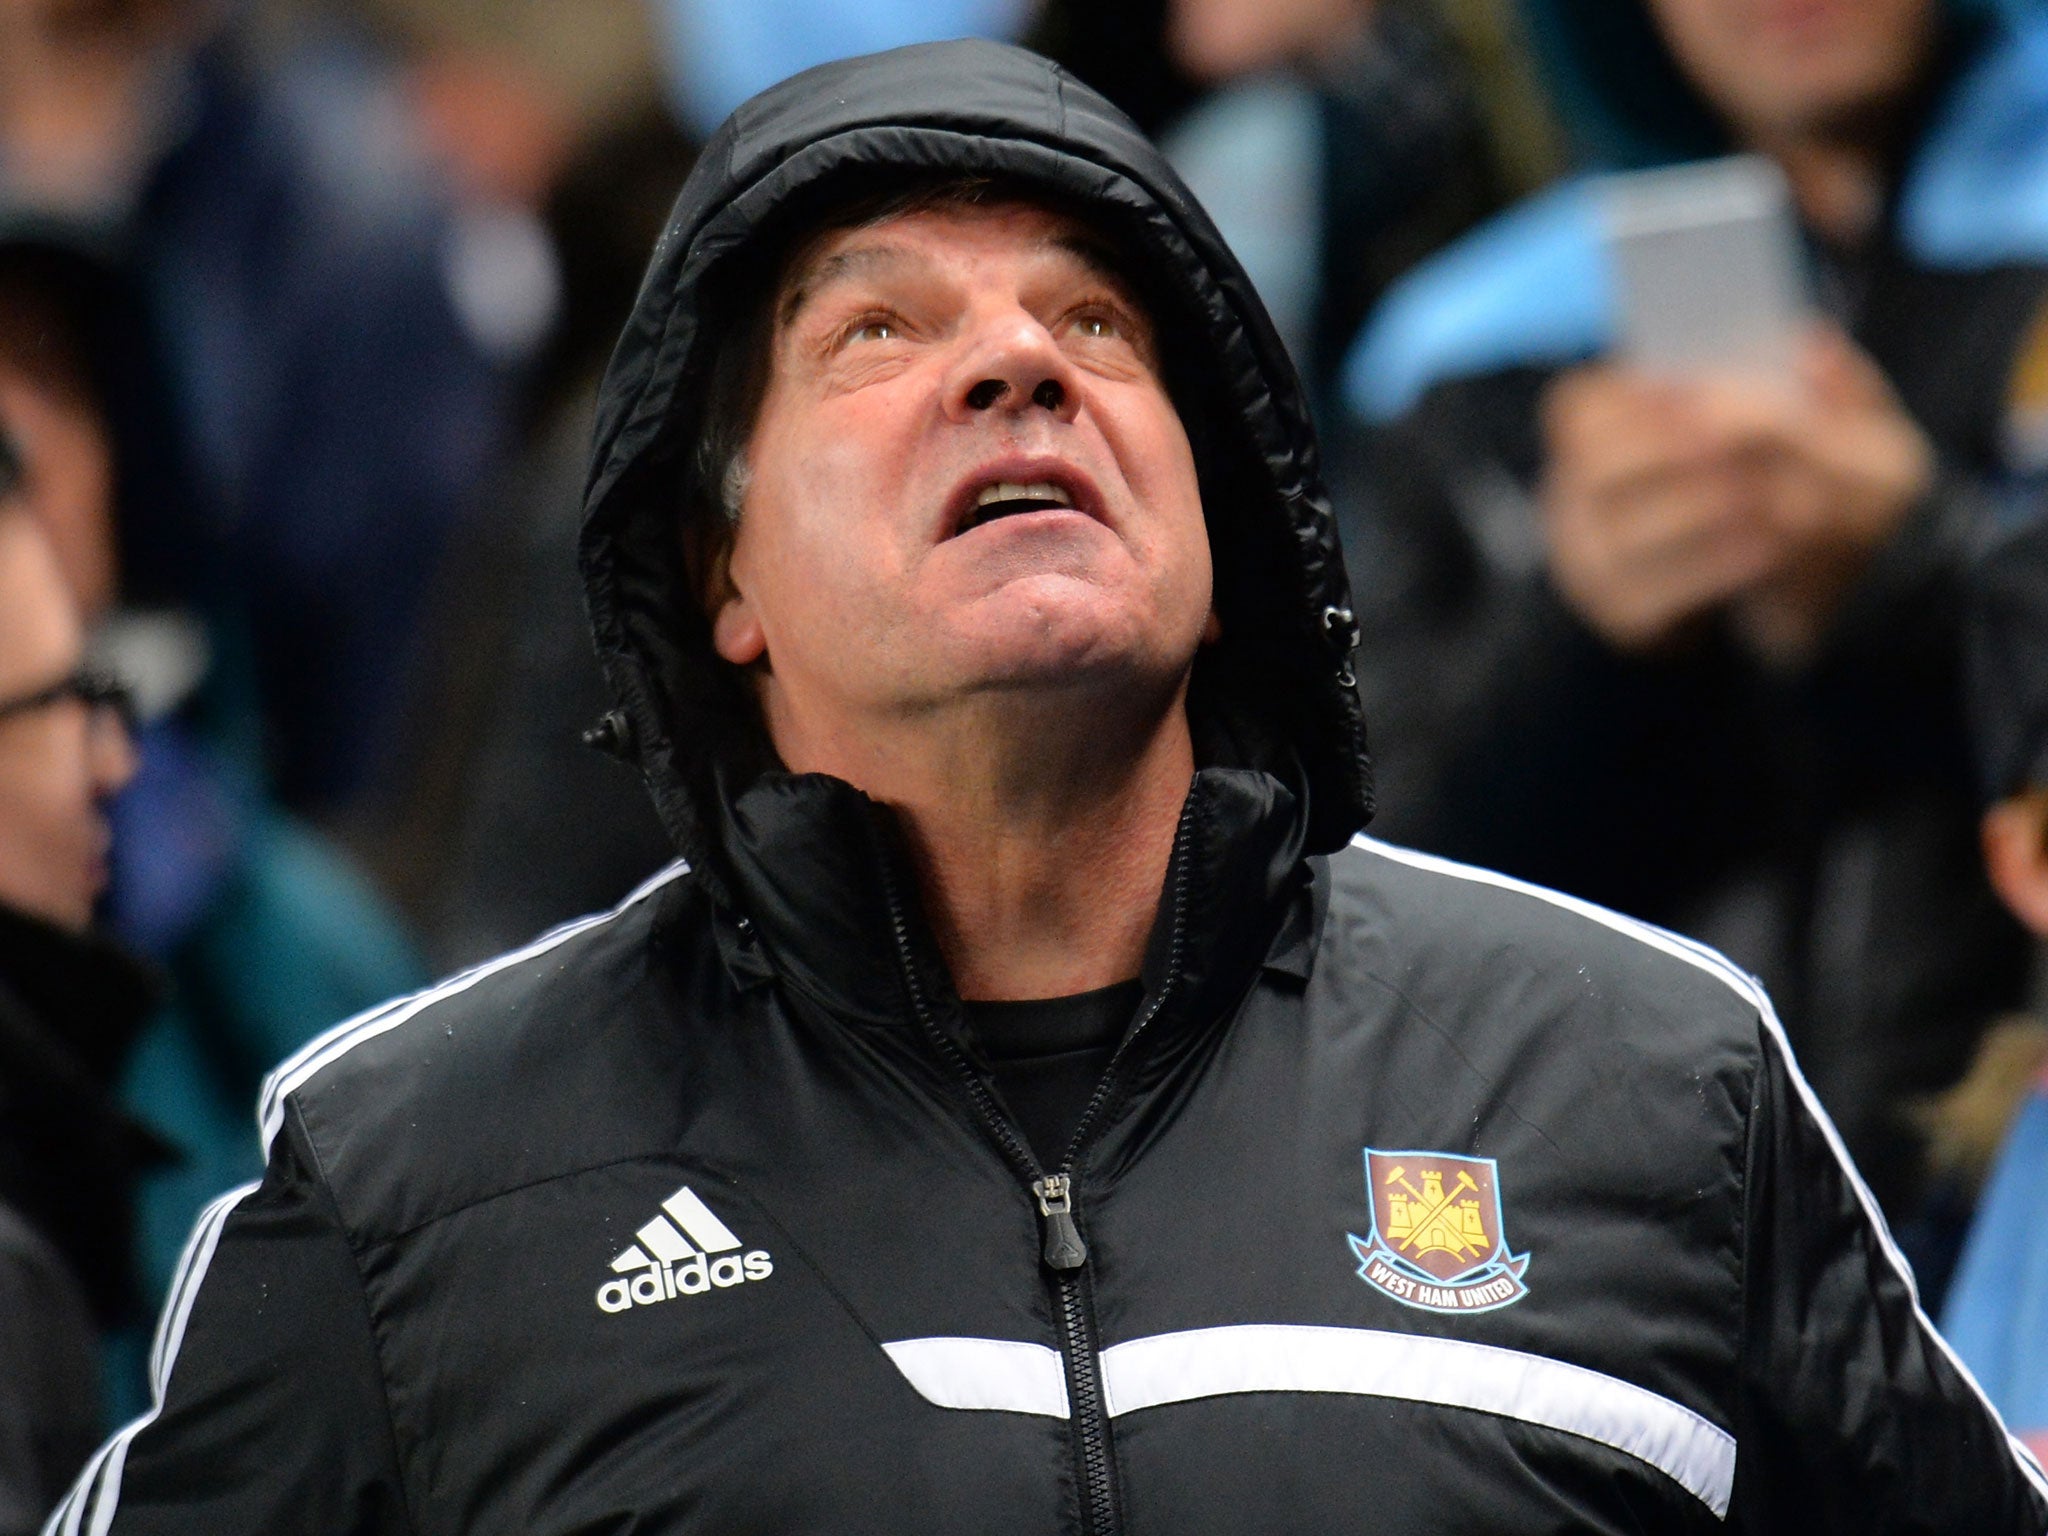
(100, 991)
(825, 900)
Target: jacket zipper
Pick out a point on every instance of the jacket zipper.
(1064, 1254)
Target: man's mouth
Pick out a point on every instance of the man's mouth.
(1007, 498)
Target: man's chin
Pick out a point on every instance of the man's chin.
(1060, 651)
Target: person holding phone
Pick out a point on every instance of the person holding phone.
(1701, 625)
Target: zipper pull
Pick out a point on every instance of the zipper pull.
(1063, 1246)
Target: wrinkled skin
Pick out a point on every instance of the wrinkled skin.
(916, 363)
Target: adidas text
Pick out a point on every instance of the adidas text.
(693, 1277)
(684, 1251)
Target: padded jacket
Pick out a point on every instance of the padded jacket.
(1415, 1200)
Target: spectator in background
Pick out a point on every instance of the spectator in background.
(539, 828)
(1688, 647)
(70, 1006)
(339, 343)
(504, 824)
(262, 928)
(1347, 139)
(1997, 1313)
(1119, 50)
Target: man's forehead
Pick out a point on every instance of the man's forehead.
(922, 237)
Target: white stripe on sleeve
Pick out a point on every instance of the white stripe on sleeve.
(323, 1050)
(98, 1489)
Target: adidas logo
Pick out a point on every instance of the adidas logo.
(664, 1265)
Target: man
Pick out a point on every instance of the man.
(69, 1005)
(1028, 1110)
(1715, 617)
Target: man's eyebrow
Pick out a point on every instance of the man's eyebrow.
(839, 266)
(1098, 255)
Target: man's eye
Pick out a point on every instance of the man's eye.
(1100, 326)
(876, 329)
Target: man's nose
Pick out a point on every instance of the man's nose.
(112, 758)
(1016, 367)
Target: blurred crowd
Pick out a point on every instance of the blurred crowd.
(302, 305)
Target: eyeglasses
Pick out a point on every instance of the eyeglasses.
(99, 691)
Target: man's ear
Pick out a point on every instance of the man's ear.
(736, 632)
(2015, 833)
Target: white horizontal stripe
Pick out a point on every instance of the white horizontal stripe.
(1270, 1357)
(329, 1047)
(998, 1374)
(99, 1486)
(1714, 964)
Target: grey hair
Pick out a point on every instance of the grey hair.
(732, 487)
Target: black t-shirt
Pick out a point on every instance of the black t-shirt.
(1049, 1053)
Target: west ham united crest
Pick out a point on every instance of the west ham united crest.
(1436, 1239)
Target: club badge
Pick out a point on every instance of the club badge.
(1436, 1240)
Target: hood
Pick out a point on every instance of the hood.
(1277, 692)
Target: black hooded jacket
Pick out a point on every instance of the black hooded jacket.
(705, 1215)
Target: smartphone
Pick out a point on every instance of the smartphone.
(1708, 265)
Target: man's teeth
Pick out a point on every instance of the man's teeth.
(1010, 490)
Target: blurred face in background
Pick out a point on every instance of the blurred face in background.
(52, 419)
(1222, 39)
(60, 759)
(1779, 69)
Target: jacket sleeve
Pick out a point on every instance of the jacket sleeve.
(1855, 1415)
(269, 1412)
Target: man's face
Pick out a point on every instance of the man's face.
(58, 761)
(1777, 68)
(965, 478)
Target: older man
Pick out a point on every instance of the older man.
(1028, 1109)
